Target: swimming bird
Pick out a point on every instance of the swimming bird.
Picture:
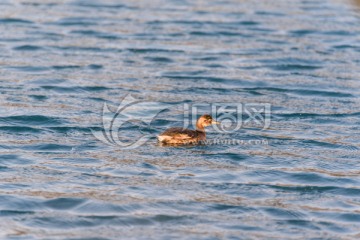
(178, 135)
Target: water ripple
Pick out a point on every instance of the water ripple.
(62, 60)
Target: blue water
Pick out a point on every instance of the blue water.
(60, 61)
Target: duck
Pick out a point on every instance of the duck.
(179, 136)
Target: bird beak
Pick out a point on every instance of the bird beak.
(214, 122)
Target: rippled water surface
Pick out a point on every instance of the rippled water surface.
(60, 61)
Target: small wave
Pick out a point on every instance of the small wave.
(14, 213)
(315, 189)
(50, 147)
(28, 48)
(85, 49)
(14, 21)
(316, 115)
(64, 203)
(159, 59)
(96, 34)
(303, 32)
(30, 120)
(19, 129)
(75, 89)
(98, 5)
(76, 21)
(219, 34)
(291, 64)
(65, 129)
(304, 92)
(30, 68)
(153, 50)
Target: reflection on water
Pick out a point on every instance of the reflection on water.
(61, 60)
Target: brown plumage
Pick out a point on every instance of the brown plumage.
(187, 136)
